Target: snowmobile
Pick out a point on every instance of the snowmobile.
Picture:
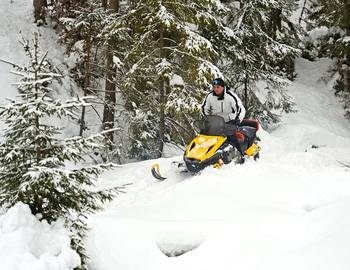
(212, 148)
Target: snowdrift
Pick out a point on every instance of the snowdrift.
(28, 244)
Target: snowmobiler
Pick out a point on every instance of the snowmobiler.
(223, 102)
(211, 147)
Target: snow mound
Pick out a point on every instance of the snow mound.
(29, 244)
(174, 242)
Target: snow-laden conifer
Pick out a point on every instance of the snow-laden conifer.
(330, 36)
(166, 68)
(261, 46)
(37, 165)
(95, 70)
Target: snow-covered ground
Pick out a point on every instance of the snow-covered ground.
(16, 24)
(28, 244)
(16, 20)
(289, 210)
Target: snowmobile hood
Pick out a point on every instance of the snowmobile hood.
(203, 147)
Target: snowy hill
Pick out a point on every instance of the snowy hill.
(287, 211)
(16, 18)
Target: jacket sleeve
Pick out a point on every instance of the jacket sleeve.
(238, 108)
(206, 105)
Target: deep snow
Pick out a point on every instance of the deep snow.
(286, 211)
(28, 244)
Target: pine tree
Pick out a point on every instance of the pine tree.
(81, 35)
(261, 47)
(95, 70)
(167, 67)
(40, 168)
(334, 18)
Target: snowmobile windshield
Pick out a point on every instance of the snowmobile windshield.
(212, 125)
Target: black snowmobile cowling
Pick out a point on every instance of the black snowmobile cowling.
(210, 146)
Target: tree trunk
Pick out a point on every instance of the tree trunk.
(161, 117)
(39, 11)
(302, 11)
(104, 4)
(86, 83)
(346, 73)
(275, 22)
(37, 205)
(161, 100)
(110, 86)
(37, 123)
(110, 95)
(246, 80)
(114, 5)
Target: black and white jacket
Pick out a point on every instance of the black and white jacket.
(229, 106)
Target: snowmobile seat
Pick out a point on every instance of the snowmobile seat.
(250, 123)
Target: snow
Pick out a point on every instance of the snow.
(195, 42)
(117, 62)
(318, 32)
(17, 22)
(16, 18)
(29, 244)
(286, 211)
(297, 14)
(346, 39)
(164, 16)
(176, 80)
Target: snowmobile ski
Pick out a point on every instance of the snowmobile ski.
(156, 172)
(176, 166)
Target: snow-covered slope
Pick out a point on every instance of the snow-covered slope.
(16, 20)
(287, 211)
(16, 23)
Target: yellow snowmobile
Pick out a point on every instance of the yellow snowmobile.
(212, 147)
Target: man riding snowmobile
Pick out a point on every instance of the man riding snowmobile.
(223, 136)
(222, 102)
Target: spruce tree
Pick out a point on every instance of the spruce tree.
(261, 48)
(166, 71)
(334, 18)
(94, 69)
(81, 36)
(37, 165)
